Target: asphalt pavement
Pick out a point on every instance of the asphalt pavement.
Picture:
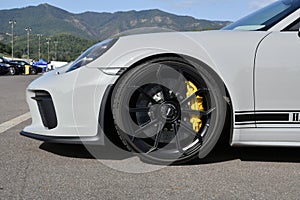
(32, 169)
(13, 97)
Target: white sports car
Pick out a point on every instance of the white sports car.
(170, 96)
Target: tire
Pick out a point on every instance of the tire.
(33, 71)
(12, 71)
(158, 117)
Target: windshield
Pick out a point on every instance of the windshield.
(267, 17)
(3, 59)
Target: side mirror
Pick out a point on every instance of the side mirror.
(299, 32)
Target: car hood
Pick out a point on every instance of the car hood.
(205, 46)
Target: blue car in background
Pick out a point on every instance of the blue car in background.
(41, 64)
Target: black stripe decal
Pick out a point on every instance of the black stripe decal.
(269, 123)
(278, 111)
(268, 111)
(279, 123)
(245, 118)
(240, 112)
(244, 124)
(261, 117)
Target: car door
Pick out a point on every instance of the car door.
(2, 69)
(277, 79)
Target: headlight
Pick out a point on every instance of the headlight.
(92, 53)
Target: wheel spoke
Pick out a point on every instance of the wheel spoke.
(188, 99)
(190, 130)
(165, 92)
(177, 138)
(141, 109)
(197, 112)
(181, 80)
(146, 126)
(157, 139)
(147, 95)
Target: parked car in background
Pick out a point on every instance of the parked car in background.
(4, 68)
(33, 69)
(13, 67)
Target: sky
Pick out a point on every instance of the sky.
(201, 9)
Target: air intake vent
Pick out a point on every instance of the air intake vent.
(46, 108)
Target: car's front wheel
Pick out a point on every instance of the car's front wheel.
(33, 71)
(169, 110)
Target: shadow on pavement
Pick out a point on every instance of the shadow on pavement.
(219, 154)
(85, 152)
(258, 154)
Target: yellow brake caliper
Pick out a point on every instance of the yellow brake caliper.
(195, 104)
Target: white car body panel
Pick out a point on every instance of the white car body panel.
(77, 110)
(266, 137)
(207, 47)
(278, 72)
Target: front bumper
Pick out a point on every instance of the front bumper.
(93, 140)
(76, 99)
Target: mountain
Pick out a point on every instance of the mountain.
(49, 20)
(70, 34)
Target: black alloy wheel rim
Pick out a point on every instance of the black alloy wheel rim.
(161, 112)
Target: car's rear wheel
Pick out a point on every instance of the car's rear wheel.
(169, 110)
(12, 71)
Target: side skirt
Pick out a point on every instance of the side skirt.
(267, 128)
